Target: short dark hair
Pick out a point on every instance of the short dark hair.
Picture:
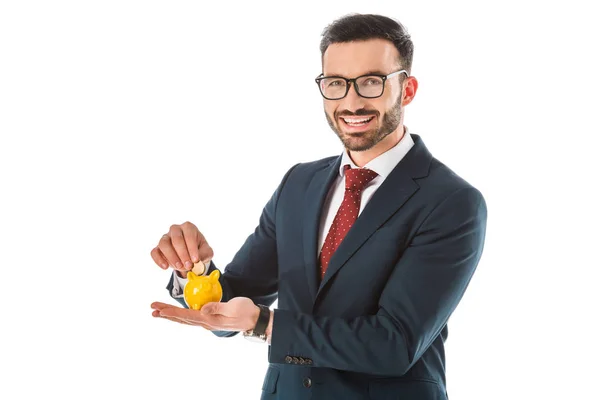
(359, 27)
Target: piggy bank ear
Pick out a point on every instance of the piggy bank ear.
(214, 276)
(191, 276)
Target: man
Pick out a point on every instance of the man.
(364, 293)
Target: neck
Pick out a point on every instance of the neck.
(362, 158)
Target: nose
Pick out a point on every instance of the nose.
(352, 101)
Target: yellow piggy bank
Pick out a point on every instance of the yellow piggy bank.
(201, 289)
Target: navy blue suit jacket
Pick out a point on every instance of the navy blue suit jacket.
(375, 326)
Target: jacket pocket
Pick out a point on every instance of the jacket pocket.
(270, 382)
(406, 389)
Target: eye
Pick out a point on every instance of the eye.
(372, 81)
(335, 82)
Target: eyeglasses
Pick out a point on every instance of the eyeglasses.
(368, 86)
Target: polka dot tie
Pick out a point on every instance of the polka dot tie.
(356, 180)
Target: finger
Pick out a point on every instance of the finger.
(157, 305)
(189, 317)
(159, 258)
(180, 246)
(177, 312)
(192, 235)
(166, 247)
(156, 314)
(177, 320)
(170, 311)
(187, 314)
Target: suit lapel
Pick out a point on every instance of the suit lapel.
(314, 199)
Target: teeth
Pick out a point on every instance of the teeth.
(357, 121)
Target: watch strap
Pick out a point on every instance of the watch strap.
(263, 320)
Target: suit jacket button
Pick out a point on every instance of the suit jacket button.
(308, 361)
(306, 382)
(302, 360)
(288, 359)
(295, 360)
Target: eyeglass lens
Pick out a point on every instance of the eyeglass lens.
(368, 86)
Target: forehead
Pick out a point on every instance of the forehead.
(356, 58)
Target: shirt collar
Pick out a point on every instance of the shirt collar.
(386, 162)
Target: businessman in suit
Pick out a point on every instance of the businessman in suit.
(368, 252)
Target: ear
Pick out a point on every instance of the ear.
(214, 276)
(191, 276)
(410, 90)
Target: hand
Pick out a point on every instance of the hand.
(182, 247)
(238, 314)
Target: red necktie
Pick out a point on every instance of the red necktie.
(356, 180)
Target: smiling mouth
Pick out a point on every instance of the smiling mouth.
(357, 122)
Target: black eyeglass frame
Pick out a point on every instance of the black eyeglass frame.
(319, 78)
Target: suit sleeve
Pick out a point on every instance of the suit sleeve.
(253, 272)
(423, 290)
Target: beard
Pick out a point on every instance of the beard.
(365, 140)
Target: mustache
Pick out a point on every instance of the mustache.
(358, 113)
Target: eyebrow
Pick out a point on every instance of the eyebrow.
(370, 72)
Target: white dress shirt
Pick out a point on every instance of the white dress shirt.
(382, 165)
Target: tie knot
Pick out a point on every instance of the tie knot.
(358, 178)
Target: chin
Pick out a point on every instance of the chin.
(358, 143)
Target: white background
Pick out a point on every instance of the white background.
(120, 118)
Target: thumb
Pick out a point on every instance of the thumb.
(211, 308)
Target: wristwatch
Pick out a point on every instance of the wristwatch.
(258, 334)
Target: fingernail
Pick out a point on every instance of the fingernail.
(178, 265)
(195, 259)
(188, 264)
(165, 266)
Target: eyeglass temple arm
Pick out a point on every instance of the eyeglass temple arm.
(398, 72)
